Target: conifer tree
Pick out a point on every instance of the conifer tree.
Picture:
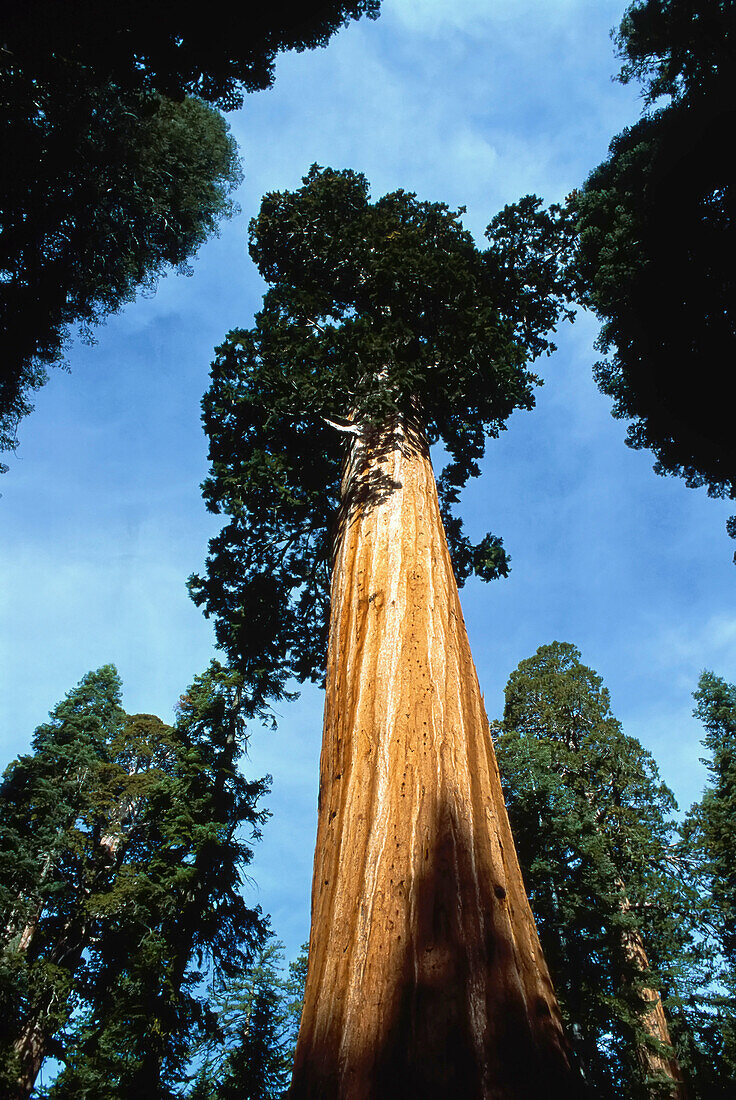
(294, 1001)
(591, 820)
(385, 329)
(250, 1053)
(52, 859)
(118, 166)
(709, 999)
(130, 834)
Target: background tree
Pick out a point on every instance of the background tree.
(386, 329)
(126, 886)
(107, 191)
(592, 824)
(117, 165)
(709, 999)
(251, 1052)
(657, 228)
(52, 858)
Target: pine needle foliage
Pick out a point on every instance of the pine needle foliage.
(118, 165)
(709, 998)
(109, 190)
(251, 1052)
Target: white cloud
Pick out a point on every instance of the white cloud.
(433, 17)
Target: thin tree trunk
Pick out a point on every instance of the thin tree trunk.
(30, 1049)
(32, 1044)
(426, 978)
(659, 1067)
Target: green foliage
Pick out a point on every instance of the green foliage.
(251, 1053)
(122, 851)
(108, 189)
(677, 47)
(51, 858)
(709, 1000)
(118, 167)
(376, 310)
(169, 47)
(590, 819)
(716, 708)
(657, 227)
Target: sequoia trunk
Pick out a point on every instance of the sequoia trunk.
(426, 978)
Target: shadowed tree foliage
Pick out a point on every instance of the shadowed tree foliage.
(591, 821)
(376, 309)
(657, 223)
(169, 48)
(716, 709)
(122, 850)
(107, 191)
(117, 166)
(677, 47)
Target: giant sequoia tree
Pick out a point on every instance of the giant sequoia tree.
(657, 232)
(385, 330)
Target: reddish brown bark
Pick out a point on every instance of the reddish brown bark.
(658, 1067)
(426, 978)
(30, 1049)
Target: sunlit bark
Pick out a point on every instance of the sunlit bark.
(658, 1067)
(426, 978)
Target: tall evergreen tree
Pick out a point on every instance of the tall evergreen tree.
(52, 859)
(294, 1001)
(107, 191)
(591, 820)
(657, 224)
(386, 329)
(716, 708)
(126, 885)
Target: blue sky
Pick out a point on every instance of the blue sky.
(472, 102)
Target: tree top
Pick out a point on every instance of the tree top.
(376, 309)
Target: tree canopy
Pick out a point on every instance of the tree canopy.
(716, 813)
(118, 166)
(375, 310)
(707, 986)
(107, 191)
(251, 1053)
(171, 48)
(677, 47)
(657, 224)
